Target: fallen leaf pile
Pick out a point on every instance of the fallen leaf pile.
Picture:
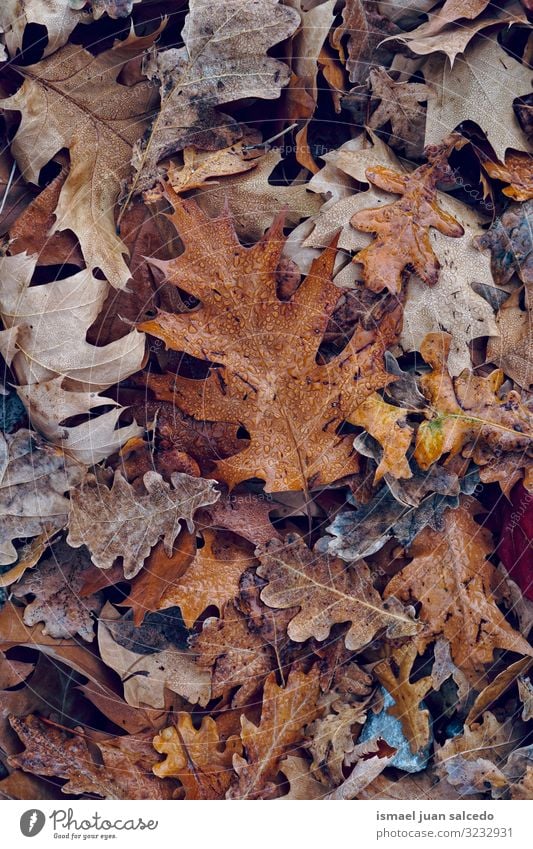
(266, 463)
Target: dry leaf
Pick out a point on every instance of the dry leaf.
(55, 15)
(145, 676)
(64, 753)
(394, 674)
(399, 104)
(470, 761)
(453, 582)
(59, 108)
(195, 757)
(444, 33)
(465, 414)
(269, 380)
(224, 59)
(402, 228)
(59, 372)
(117, 522)
(285, 712)
(33, 479)
(254, 201)
(212, 578)
(237, 655)
(478, 88)
(326, 592)
(56, 585)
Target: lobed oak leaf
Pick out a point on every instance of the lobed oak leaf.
(326, 592)
(56, 584)
(479, 87)
(451, 303)
(160, 572)
(302, 785)
(34, 478)
(224, 59)
(30, 232)
(268, 379)
(386, 424)
(212, 578)
(331, 737)
(365, 26)
(194, 757)
(238, 656)
(62, 106)
(516, 170)
(454, 26)
(465, 414)
(60, 373)
(453, 582)
(254, 201)
(472, 761)
(510, 242)
(285, 712)
(394, 674)
(399, 104)
(65, 754)
(118, 522)
(402, 228)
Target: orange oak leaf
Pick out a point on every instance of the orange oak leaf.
(402, 228)
(268, 378)
(285, 712)
(195, 757)
(212, 578)
(453, 582)
(465, 414)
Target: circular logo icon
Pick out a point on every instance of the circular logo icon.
(32, 822)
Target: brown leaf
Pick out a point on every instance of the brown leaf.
(199, 168)
(452, 580)
(33, 479)
(512, 350)
(470, 761)
(31, 230)
(195, 758)
(326, 591)
(290, 405)
(387, 424)
(365, 26)
(394, 674)
(118, 522)
(399, 104)
(402, 228)
(466, 415)
(245, 514)
(145, 676)
(254, 201)
(160, 572)
(212, 578)
(59, 108)
(63, 754)
(224, 59)
(237, 656)
(516, 171)
(284, 713)
(56, 584)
